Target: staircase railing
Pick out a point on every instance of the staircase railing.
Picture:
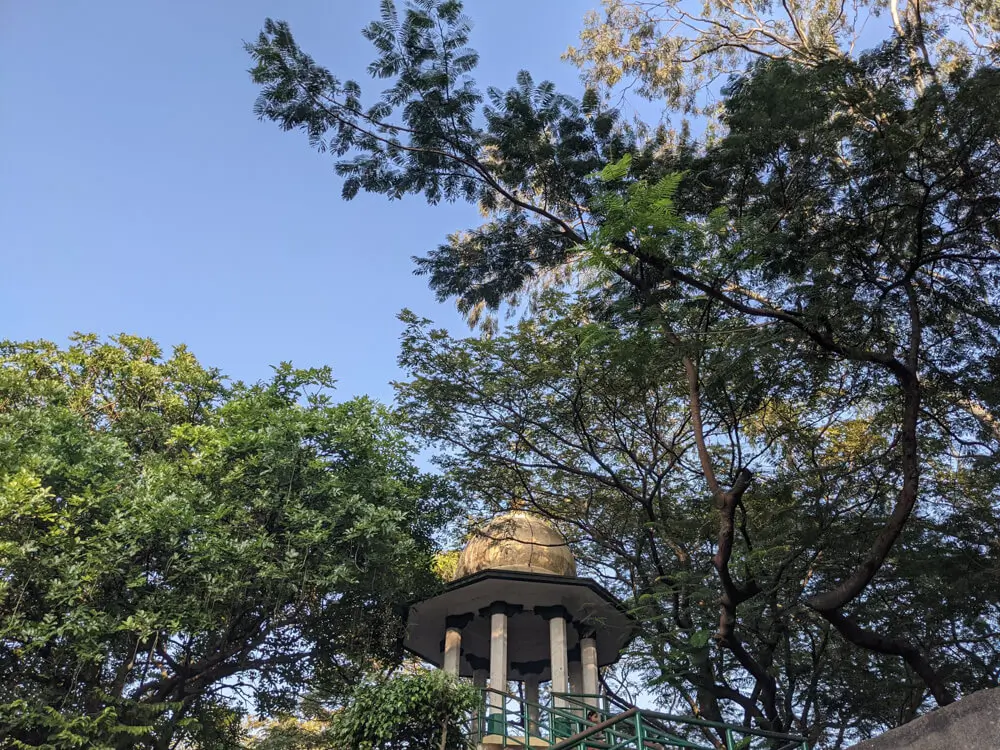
(589, 722)
(727, 733)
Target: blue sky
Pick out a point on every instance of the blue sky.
(139, 193)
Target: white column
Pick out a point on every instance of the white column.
(453, 642)
(452, 650)
(558, 656)
(576, 686)
(478, 680)
(498, 659)
(588, 658)
(531, 696)
(575, 677)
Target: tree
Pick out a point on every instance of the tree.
(177, 548)
(669, 51)
(843, 230)
(591, 428)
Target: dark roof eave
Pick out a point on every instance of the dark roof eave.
(516, 575)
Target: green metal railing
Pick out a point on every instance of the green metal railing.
(594, 722)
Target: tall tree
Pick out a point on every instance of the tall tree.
(177, 549)
(672, 52)
(591, 428)
(844, 230)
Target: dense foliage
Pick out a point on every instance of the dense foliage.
(177, 549)
(757, 377)
(415, 708)
(420, 709)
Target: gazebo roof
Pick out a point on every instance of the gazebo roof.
(529, 597)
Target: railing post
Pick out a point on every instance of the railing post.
(484, 716)
(525, 721)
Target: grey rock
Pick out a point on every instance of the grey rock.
(973, 723)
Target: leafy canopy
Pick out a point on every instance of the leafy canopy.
(666, 51)
(177, 549)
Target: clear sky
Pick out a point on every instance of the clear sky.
(139, 193)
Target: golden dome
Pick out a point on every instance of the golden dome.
(517, 541)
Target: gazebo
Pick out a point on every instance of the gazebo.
(517, 611)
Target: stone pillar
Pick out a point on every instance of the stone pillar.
(498, 613)
(452, 650)
(531, 696)
(576, 683)
(480, 671)
(558, 655)
(453, 642)
(479, 677)
(498, 658)
(588, 659)
(575, 677)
